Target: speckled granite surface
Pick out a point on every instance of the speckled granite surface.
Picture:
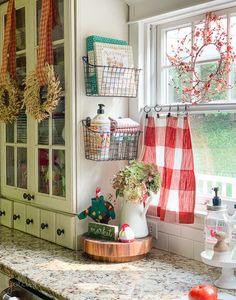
(66, 274)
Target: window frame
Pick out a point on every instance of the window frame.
(147, 36)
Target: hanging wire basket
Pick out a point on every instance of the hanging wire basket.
(114, 145)
(107, 81)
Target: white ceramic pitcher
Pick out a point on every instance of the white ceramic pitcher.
(134, 214)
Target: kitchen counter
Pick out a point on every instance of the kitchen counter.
(67, 274)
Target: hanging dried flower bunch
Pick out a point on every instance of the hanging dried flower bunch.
(10, 103)
(32, 94)
(10, 100)
(189, 83)
(43, 77)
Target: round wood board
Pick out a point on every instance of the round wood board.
(111, 251)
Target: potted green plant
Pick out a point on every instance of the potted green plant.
(134, 184)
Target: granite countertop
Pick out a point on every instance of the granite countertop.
(66, 274)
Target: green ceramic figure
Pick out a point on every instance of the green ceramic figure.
(100, 211)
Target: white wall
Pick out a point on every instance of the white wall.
(105, 18)
(148, 8)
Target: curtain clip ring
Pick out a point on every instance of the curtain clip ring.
(157, 109)
(147, 109)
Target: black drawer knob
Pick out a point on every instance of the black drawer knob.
(28, 197)
(2, 213)
(43, 226)
(28, 221)
(15, 217)
(60, 231)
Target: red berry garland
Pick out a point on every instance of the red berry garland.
(188, 84)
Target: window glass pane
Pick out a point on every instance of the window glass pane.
(58, 31)
(20, 29)
(9, 133)
(58, 124)
(20, 70)
(216, 90)
(173, 38)
(22, 128)
(233, 31)
(43, 132)
(209, 51)
(233, 81)
(214, 139)
(10, 162)
(22, 168)
(43, 171)
(59, 64)
(176, 86)
(58, 173)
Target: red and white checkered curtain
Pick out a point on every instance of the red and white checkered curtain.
(167, 143)
(45, 51)
(9, 45)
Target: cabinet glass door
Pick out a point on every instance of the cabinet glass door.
(15, 141)
(51, 132)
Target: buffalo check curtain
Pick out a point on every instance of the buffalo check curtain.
(9, 45)
(167, 143)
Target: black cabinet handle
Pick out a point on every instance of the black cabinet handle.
(28, 196)
(60, 231)
(28, 221)
(2, 213)
(43, 226)
(15, 217)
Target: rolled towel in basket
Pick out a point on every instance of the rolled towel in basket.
(124, 123)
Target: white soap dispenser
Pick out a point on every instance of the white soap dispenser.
(216, 226)
(101, 126)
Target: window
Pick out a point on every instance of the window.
(213, 134)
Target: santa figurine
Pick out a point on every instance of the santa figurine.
(126, 235)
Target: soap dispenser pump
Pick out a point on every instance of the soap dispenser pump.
(216, 201)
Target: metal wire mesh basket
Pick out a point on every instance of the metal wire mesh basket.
(110, 81)
(103, 146)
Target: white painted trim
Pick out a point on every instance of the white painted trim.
(187, 12)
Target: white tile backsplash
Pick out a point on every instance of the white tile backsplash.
(161, 242)
(181, 246)
(198, 248)
(192, 234)
(169, 228)
(185, 240)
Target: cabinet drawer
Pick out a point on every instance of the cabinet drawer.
(19, 216)
(32, 220)
(47, 225)
(65, 231)
(6, 208)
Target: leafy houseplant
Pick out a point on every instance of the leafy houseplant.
(136, 181)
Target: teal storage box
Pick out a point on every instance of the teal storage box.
(91, 57)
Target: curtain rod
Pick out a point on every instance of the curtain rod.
(191, 108)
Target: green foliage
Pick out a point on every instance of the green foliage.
(136, 181)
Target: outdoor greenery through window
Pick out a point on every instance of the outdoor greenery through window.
(213, 134)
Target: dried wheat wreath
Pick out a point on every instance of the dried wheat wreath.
(10, 103)
(32, 99)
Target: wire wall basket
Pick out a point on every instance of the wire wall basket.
(114, 145)
(108, 81)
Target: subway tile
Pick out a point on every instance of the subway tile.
(192, 234)
(161, 242)
(181, 246)
(198, 248)
(169, 228)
